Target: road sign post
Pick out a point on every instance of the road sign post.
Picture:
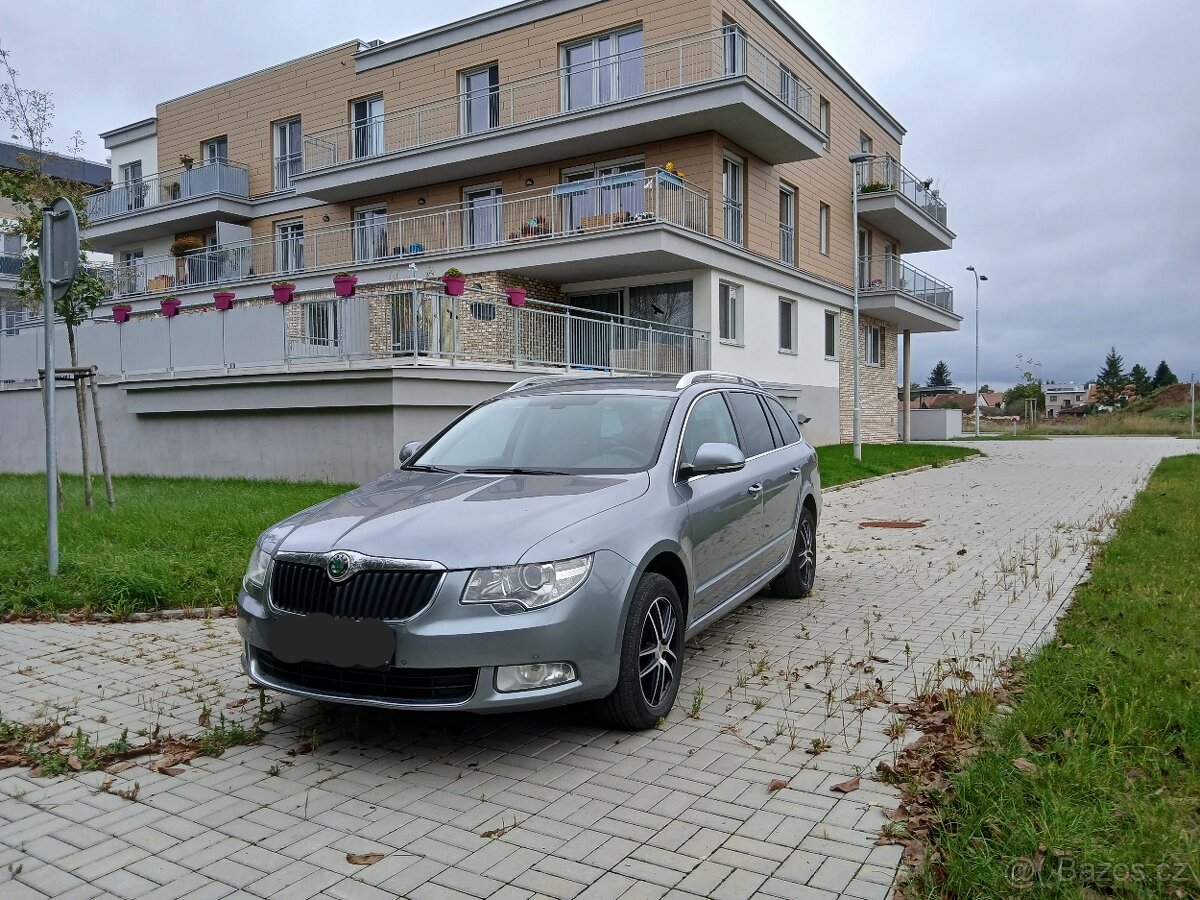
(58, 260)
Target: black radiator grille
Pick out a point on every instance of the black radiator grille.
(399, 685)
(372, 594)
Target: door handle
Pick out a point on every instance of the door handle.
(796, 470)
(755, 488)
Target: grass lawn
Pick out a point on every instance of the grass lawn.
(169, 542)
(839, 466)
(1109, 717)
(185, 541)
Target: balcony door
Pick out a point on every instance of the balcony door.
(370, 234)
(367, 118)
(733, 191)
(131, 278)
(287, 153)
(603, 69)
(593, 333)
(480, 99)
(289, 247)
(735, 48)
(602, 194)
(483, 223)
(216, 151)
(132, 186)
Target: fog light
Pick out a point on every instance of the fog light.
(533, 675)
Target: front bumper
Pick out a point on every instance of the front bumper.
(583, 629)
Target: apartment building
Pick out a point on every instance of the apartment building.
(627, 186)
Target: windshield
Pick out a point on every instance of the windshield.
(554, 433)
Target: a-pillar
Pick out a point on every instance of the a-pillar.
(907, 385)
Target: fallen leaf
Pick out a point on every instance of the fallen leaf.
(120, 767)
(846, 787)
(363, 859)
(236, 704)
(962, 552)
(73, 763)
(1025, 766)
(777, 784)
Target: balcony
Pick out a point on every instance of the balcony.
(417, 325)
(715, 81)
(894, 200)
(172, 201)
(565, 212)
(892, 290)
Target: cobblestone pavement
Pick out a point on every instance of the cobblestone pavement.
(544, 805)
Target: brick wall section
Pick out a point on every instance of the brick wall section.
(877, 384)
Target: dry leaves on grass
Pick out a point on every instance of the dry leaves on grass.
(1024, 765)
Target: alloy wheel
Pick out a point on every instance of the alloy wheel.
(657, 659)
(805, 553)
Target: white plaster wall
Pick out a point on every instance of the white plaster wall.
(145, 149)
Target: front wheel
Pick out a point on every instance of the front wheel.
(651, 657)
(797, 579)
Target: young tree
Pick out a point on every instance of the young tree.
(1112, 381)
(1030, 385)
(1163, 376)
(940, 376)
(1140, 379)
(29, 114)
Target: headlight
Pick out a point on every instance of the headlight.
(533, 585)
(256, 571)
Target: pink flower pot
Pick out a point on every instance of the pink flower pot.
(516, 296)
(283, 292)
(223, 300)
(455, 284)
(343, 285)
(121, 312)
(170, 308)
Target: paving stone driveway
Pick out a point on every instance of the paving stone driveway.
(548, 805)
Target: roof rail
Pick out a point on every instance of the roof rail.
(712, 375)
(546, 379)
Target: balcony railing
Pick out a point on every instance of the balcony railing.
(695, 59)
(567, 210)
(417, 326)
(891, 273)
(886, 174)
(172, 186)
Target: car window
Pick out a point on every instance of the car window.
(784, 421)
(708, 423)
(752, 423)
(576, 433)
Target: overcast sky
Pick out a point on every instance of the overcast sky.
(1062, 135)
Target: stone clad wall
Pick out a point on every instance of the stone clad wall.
(878, 383)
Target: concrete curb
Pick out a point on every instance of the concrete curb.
(849, 484)
(158, 615)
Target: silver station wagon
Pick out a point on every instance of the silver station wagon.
(555, 544)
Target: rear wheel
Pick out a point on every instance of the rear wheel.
(797, 579)
(651, 657)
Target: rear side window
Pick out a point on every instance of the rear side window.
(752, 423)
(783, 421)
(708, 423)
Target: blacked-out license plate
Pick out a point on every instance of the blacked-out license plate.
(340, 642)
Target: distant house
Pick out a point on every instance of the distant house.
(1066, 395)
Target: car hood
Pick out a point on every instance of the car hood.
(460, 521)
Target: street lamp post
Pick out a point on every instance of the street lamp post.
(855, 160)
(978, 278)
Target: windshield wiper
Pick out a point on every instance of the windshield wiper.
(428, 469)
(511, 470)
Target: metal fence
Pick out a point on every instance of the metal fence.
(886, 174)
(891, 273)
(608, 79)
(579, 207)
(418, 325)
(217, 177)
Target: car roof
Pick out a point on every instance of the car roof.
(605, 384)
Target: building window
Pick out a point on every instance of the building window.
(370, 233)
(215, 151)
(787, 325)
(789, 88)
(603, 69)
(823, 121)
(787, 224)
(131, 277)
(288, 157)
(483, 223)
(731, 187)
(864, 143)
(289, 246)
(13, 317)
(874, 337)
(366, 116)
(823, 229)
(730, 312)
(831, 334)
(321, 323)
(132, 187)
(480, 99)
(735, 47)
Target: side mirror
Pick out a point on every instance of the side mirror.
(714, 458)
(802, 419)
(408, 451)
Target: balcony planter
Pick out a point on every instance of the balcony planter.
(516, 296)
(283, 291)
(170, 307)
(455, 282)
(223, 300)
(121, 312)
(343, 285)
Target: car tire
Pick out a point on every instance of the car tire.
(651, 657)
(797, 579)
